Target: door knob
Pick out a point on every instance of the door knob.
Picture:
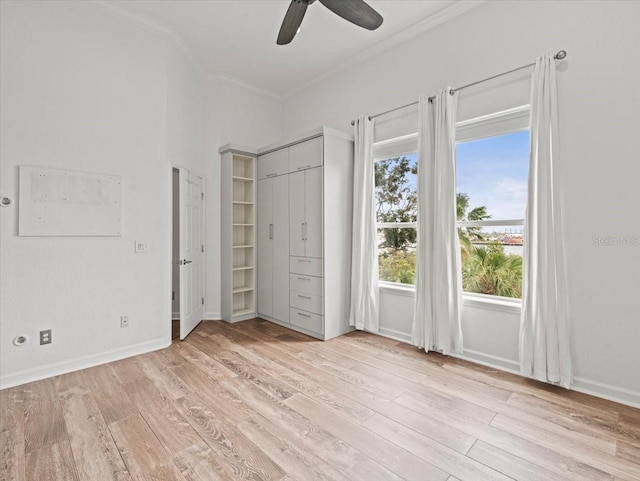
(184, 261)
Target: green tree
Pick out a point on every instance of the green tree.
(488, 270)
(469, 234)
(396, 201)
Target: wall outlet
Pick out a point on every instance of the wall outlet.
(142, 246)
(45, 337)
(124, 321)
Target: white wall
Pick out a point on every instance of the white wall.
(600, 114)
(85, 91)
(235, 114)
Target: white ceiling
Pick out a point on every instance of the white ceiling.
(237, 38)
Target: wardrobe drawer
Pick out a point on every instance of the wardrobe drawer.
(306, 284)
(272, 164)
(307, 320)
(306, 302)
(310, 266)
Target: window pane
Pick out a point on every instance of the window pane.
(396, 189)
(491, 178)
(492, 173)
(397, 255)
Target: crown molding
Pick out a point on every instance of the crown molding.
(246, 85)
(135, 18)
(429, 23)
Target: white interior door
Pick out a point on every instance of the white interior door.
(191, 252)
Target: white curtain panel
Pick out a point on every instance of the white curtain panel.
(545, 351)
(364, 253)
(436, 321)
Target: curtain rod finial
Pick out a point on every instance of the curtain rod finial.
(562, 54)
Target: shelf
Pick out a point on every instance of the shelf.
(241, 247)
(242, 289)
(242, 202)
(242, 225)
(243, 312)
(242, 179)
(244, 268)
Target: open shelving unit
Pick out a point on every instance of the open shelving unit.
(238, 233)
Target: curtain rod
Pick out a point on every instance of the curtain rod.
(562, 54)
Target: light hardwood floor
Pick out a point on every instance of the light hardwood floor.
(255, 401)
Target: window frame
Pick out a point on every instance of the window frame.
(498, 123)
(385, 150)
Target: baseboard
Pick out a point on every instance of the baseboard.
(607, 391)
(212, 316)
(586, 386)
(394, 334)
(489, 360)
(175, 316)
(79, 363)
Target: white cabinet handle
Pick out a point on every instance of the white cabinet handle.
(272, 175)
(304, 231)
(304, 167)
(304, 315)
(271, 231)
(304, 297)
(304, 260)
(304, 279)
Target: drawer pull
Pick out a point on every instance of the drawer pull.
(304, 279)
(272, 175)
(304, 167)
(304, 260)
(304, 297)
(304, 315)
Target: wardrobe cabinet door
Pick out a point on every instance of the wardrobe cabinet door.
(274, 163)
(313, 212)
(265, 247)
(281, 248)
(305, 155)
(297, 228)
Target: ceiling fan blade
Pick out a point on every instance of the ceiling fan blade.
(291, 22)
(355, 11)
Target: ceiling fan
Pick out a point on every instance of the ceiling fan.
(355, 11)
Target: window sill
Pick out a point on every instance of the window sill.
(481, 301)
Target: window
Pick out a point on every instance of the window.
(396, 169)
(492, 167)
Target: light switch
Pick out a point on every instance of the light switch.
(142, 246)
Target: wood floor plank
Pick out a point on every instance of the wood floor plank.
(236, 452)
(628, 451)
(113, 402)
(43, 422)
(171, 429)
(145, 457)
(448, 460)
(95, 454)
(12, 449)
(511, 465)
(396, 459)
(199, 463)
(606, 462)
(51, 461)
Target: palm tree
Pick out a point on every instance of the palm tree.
(469, 234)
(488, 270)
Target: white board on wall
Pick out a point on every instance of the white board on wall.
(55, 202)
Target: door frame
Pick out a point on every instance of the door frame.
(173, 165)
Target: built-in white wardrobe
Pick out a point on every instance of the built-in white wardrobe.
(303, 235)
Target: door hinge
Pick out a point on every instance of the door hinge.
(203, 301)
(201, 247)
(173, 295)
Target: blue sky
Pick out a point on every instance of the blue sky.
(494, 173)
